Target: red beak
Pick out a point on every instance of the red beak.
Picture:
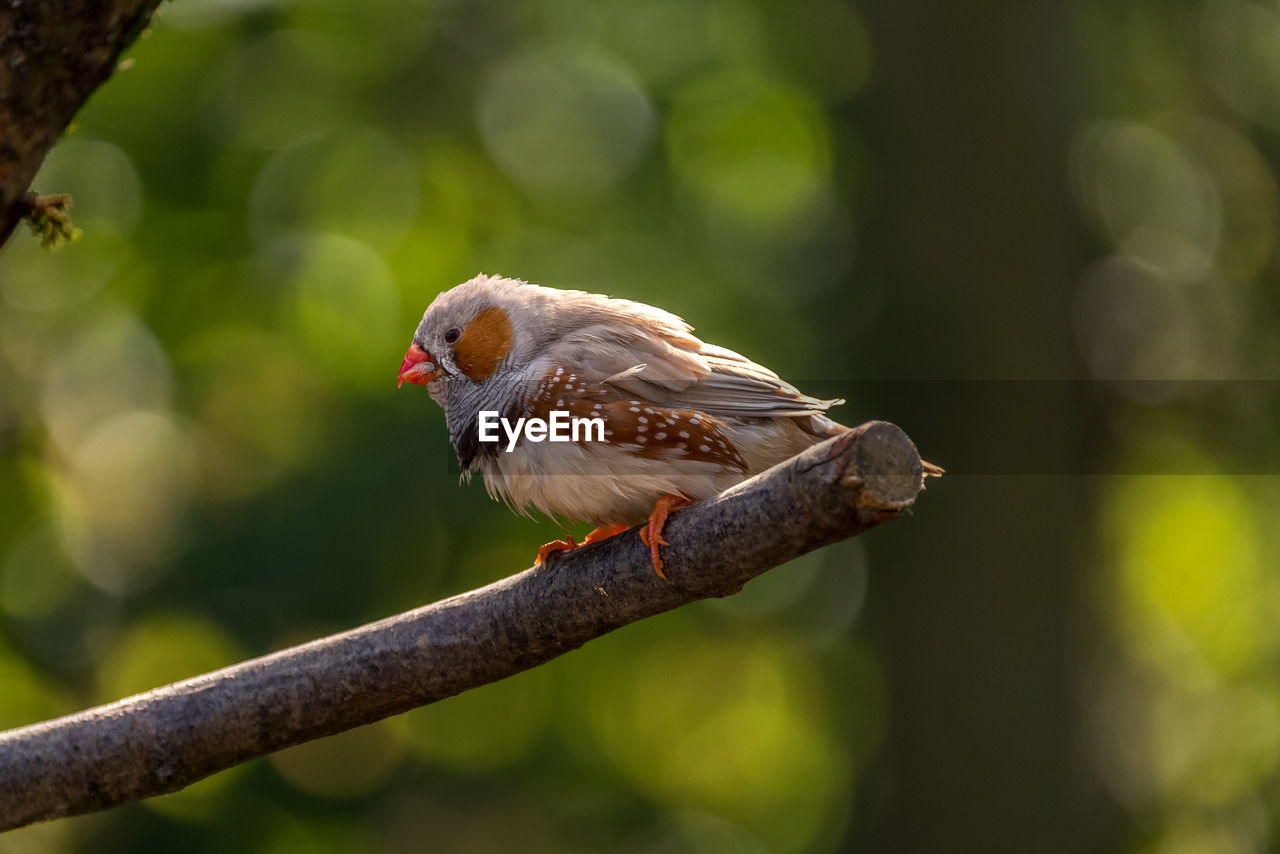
(417, 367)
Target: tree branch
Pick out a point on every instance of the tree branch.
(53, 55)
(165, 739)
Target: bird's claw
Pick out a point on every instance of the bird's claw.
(651, 532)
(547, 549)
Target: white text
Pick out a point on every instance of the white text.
(561, 427)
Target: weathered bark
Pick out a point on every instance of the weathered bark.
(53, 55)
(168, 738)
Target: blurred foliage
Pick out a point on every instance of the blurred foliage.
(1177, 176)
(203, 457)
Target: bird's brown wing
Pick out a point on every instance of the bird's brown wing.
(652, 355)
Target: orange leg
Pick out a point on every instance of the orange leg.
(568, 544)
(651, 534)
(565, 545)
(604, 533)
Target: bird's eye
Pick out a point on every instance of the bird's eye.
(452, 335)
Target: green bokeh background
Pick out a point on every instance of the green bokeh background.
(1039, 236)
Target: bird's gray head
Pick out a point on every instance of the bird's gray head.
(469, 333)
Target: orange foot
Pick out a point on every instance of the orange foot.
(565, 545)
(651, 534)
(568, 544)
(604, 533)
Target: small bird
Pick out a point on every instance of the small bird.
(682, 420)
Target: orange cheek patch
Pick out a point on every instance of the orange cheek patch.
(483, 344)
